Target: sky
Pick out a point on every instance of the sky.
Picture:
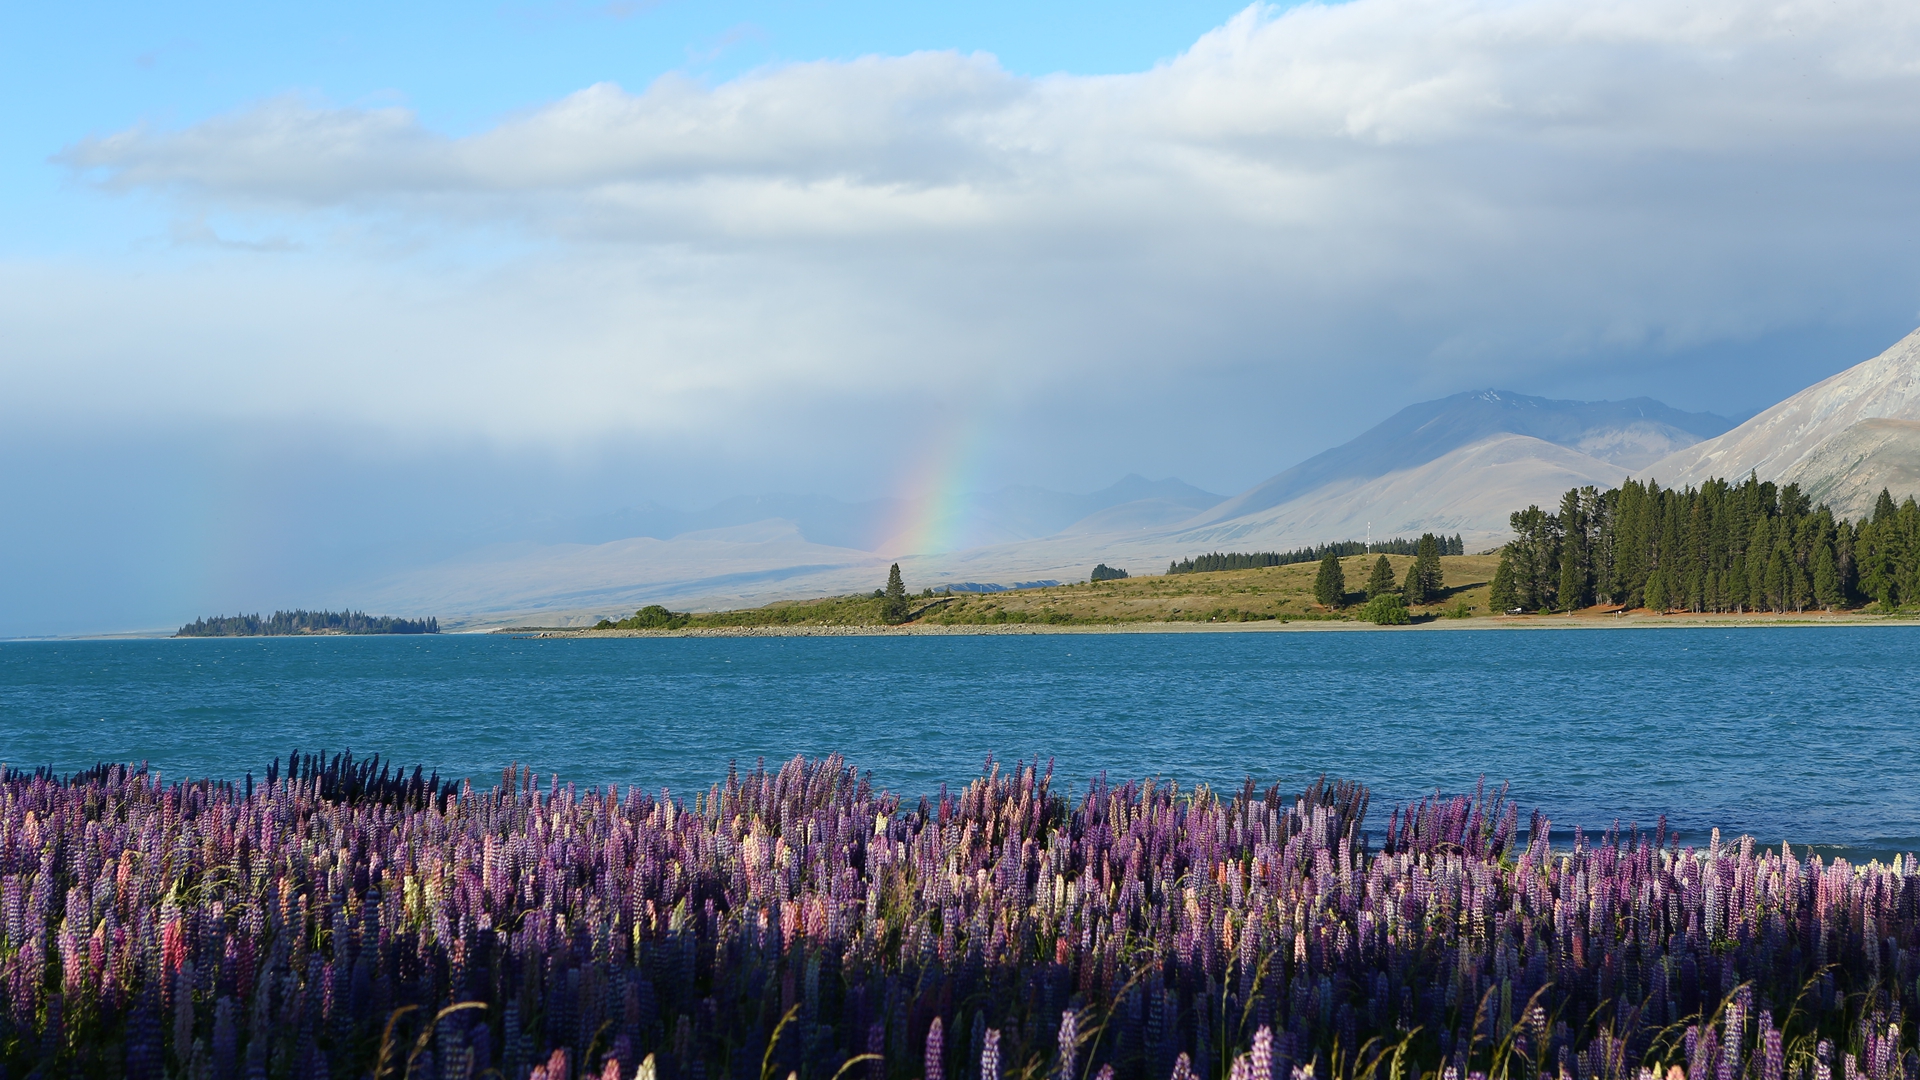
(291, 295)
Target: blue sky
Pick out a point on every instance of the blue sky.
(71, 70)
(438, 272)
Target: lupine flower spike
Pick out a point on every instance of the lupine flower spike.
(344, 916)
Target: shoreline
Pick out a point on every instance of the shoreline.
(1494, 622)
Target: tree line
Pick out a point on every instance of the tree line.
(288, 623)
(1721, 547)
(1204, 564)
(1423, 584)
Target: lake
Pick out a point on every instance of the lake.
(1805, 734)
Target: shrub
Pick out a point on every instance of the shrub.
(1387, 609)
(651, 617)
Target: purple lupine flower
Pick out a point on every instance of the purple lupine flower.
(1261, 1057)
(1069, 1044)
(589, 891)
(990, 1055)
(935, 1052)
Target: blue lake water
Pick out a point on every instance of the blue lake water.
(1803, 734)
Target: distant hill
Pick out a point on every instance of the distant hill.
(1846, 435)
(1628, 433)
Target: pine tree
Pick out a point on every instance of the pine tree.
(1381, 582)
(893, 604)
(1330, 585)
(1502, 598)
(1425, 581)
(1573, 550)
(1883, 507)
(1826, 578)
(1657, 591)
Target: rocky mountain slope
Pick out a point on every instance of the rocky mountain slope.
(1849, 470)
(1816, 437)
(1622, 433)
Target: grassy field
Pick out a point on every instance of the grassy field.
(1274, 592)
(1269, 593)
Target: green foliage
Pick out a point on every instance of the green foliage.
(1381, 583)
(1206, 564)
(1103, 572)
(1574, 589)
(1425, 581)
(1330, 584)
(651, 617)
(1502, 598)
(1656, 592)
(1721, 547)
(894, 606)
(289, 623)
(1460, 610)
(1532, 552)
(1386, 609)
(859, 610)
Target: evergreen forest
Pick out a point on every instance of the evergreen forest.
(1722, 547)
(288, 623)
(1206, 564)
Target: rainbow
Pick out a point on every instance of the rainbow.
(934, 510)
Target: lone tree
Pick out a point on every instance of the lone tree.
(893, 602)
(1330, 585)
(1425, 583)
(1381, 583)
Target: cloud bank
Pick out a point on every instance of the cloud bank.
(1424, 194)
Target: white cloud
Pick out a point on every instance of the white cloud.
(1437, 192)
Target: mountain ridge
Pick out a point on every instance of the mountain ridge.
(1776, 441)
(1425, 431)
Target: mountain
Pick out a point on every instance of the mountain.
(1849, 470)
(1470, 491)
(1630, 433)
(1825, 437)
(1461, 464)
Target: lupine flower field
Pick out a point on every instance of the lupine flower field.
(339, 920)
